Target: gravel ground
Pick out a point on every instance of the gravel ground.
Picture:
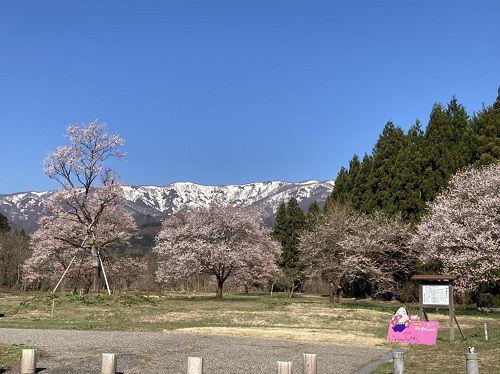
(66, 351)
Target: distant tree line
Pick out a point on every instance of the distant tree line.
(14, 250)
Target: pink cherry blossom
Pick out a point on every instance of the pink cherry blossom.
(222, 241)
(461, 233)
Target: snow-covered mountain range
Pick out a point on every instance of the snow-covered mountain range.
(151, 203)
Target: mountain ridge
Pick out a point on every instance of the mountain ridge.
(152, 203)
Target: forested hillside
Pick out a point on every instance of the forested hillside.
(406, 170)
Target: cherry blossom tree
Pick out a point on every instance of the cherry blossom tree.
(320, 250)
(348, 247)
(85, 217)
(378, 253)
(461, 232)
(222, 241)
(61, 238)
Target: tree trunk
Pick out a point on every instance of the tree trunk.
(96, 273)
(220, 284)
(246, 289)
(334, 292)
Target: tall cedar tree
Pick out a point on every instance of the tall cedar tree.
(446, 147)
(295, 225)
(407, 180)
(385, 154)
(362, 193)
(280, 225)
(340, 192)
(486, 128)
(312, 216)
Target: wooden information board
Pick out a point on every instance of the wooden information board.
(437, 291)
(435, 294)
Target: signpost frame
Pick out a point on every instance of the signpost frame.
(435, 287)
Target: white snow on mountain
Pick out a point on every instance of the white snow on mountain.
(23, 209)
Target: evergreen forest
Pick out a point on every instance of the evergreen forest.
(406, 170)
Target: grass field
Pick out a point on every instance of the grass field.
(305, 318)
(10, 354)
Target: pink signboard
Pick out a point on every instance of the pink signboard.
(403, 328)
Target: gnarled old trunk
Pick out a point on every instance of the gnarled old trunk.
(220, 284)
(96, 270)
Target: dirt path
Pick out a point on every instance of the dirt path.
(65, 351)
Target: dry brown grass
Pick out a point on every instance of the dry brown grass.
(307, 319)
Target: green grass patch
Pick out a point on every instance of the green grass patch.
(10, 355)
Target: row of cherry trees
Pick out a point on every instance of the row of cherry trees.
(85, 226)
(459, 235)
(86, 229)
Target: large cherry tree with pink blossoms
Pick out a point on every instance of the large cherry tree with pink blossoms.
(349, 248)
(223, 241)
(461, 233)
(85, 218)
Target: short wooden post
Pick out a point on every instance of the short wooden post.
(195, 365)
(108, 363)
(471, 363)
(485, 331)
(310, 366)
(284, 367)
(420, 303)
(452, 313)
(28, 361)
(398, 362)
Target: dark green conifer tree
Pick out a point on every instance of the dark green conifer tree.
(385, 153)
(289, 225)
(446, 146)
(486, 130)
(407, 181)
(312, 216)
(279, 232)
(362, 193)
(340, 192)
(295, 225)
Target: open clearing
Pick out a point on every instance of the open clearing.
(225, 332)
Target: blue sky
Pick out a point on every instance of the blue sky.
(228, 92)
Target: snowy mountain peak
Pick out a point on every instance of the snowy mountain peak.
(153, 202)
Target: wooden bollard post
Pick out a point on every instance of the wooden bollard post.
(28, 361)
(471, 363)
(284, 367)
(485, 331)
(108, 363)
(195, 365)
(310, 366)
(398, 362)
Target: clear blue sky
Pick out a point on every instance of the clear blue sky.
(227, 92)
